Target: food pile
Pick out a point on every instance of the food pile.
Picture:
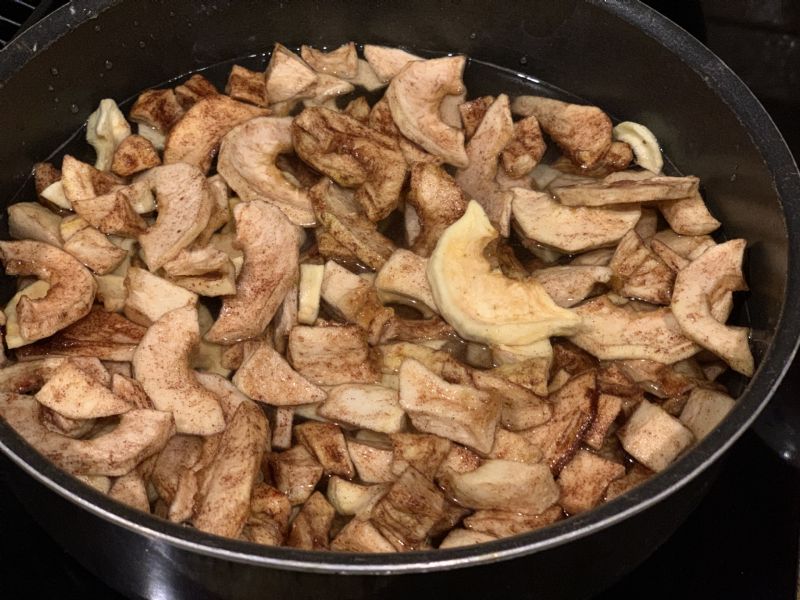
(435, 325)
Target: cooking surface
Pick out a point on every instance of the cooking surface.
(742, 542)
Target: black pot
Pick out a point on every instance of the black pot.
(619, 55)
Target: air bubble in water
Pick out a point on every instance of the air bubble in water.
(109, 65)
(523, 60)
(97, 28)
(53, 71)
(142, 44)
(50, 88)
(473, 35)
(73, 109)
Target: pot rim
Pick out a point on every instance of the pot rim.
(165, 535)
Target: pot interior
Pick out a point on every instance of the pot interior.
(627, 60)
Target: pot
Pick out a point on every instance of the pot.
(617, 54)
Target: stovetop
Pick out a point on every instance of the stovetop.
(742, 541)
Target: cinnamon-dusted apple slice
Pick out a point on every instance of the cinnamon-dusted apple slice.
(354, 299)
(354, 235)
(311, 528)
(32, 221)
(374, 407)
(288, 77)
(139, 434)
(296, 473)
(149, 296)
(477, 179)
(247, 162)
(653, 437)
(194, 139)
(134, 155)
(423, 451)
(246, 85)
(459, 413)
(81, 181)
(716, 272)
(354, 156)
(326, 442)
(618, 188)
(332, 354)
(705, 410)
(77, 394)
(373, 460)
(90, 246)
(117, 211)
(504, 485)
(435, 201)
(339, 62)
(184, 207)
(266, 376)
(161, 365)
(386, 61)
(105, 335)
(409, 511)
(582, 132)
(619, 332)
(502, 523)
(270, 243)
(415, 95)
(571, 229)
(569, 285)
(69, 297)
(155, 112)
(584, 479)
(193, 90)
(225, 503)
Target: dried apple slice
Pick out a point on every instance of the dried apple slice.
(582, 132)
(184, 207)
(270, 243)
(138, 435)
(571, 229)
(482, 304)
(504, 485)
(455, 412)
(247, 162)
(477, 179)
(69, 297)
(77, 394)
(618, 332)
(161, 365)
(415, 95)
(194, 139)
(225, 505)
(718, 269)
